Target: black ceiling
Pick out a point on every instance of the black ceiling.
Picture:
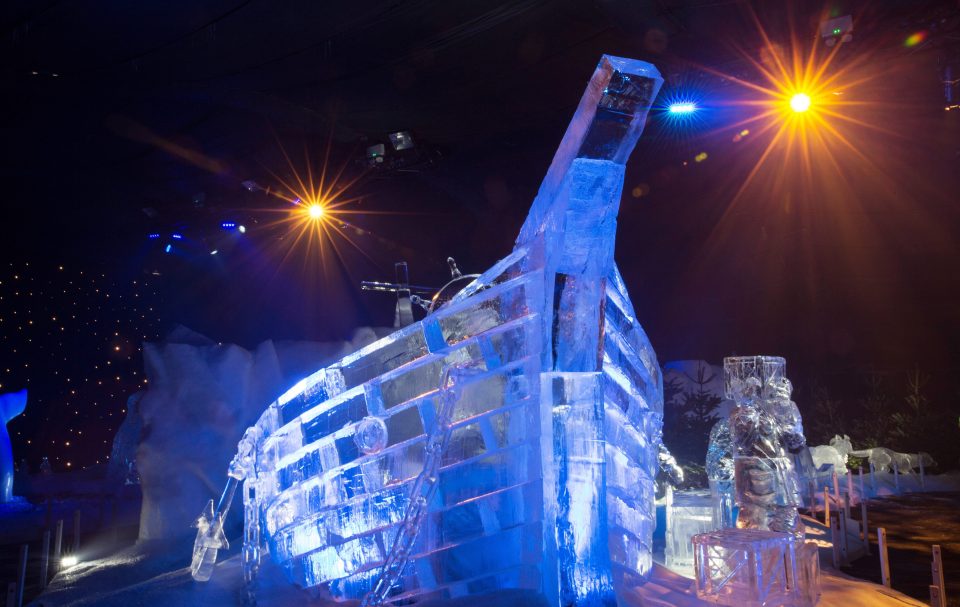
(116, 107)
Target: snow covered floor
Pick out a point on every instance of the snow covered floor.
(156, 574)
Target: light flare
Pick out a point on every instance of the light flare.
(800, 102)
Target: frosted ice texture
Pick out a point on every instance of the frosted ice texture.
(808, 574)
(545, 486)
(747, 568)
(720, 452)
(689, 513)
(669, 466)
(766, 433)
(720, 472)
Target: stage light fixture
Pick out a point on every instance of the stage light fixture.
(682, 107)
(177, 236)
(154, 236)
(401, 140)
(167, 248)
(242, 229)
(315, 211)
(800, 102)
(837, 29)
(228, 225)
(69, 561)
(214, 252)
(375, 153)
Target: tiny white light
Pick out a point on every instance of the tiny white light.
(69, 561)
(243, 229)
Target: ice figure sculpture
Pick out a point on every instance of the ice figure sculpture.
(826, 458)
(11, 405)
(670, 467)
(881, 458)
(720, 472)
(767, 435)
(544, 486)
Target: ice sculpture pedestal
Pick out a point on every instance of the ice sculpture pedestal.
(755, 568)
(689, 513)
(808, 574)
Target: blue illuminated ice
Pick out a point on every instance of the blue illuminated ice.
(543, 486)
(11, 405)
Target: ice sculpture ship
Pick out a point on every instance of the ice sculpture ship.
(506, 443)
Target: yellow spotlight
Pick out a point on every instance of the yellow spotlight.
(315, 211)
(800, 102)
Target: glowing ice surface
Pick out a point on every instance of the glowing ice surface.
(756, 568)
(689, 513)
(11, 405)
(545, 484)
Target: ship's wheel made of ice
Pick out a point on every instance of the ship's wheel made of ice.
(545, 487)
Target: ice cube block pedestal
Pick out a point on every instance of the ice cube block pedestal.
(688, 513)
(755, 568)
(808, 573)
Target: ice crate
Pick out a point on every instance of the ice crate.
(689, 513)
(746, 568)
(808, 574)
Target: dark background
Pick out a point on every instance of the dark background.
(125, 119)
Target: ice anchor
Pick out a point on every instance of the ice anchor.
(210, 536)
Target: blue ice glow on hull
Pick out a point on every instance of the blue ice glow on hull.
(545, 485)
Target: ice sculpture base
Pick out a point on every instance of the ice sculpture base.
(754, 568)
(808, 574)
(689, 513)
